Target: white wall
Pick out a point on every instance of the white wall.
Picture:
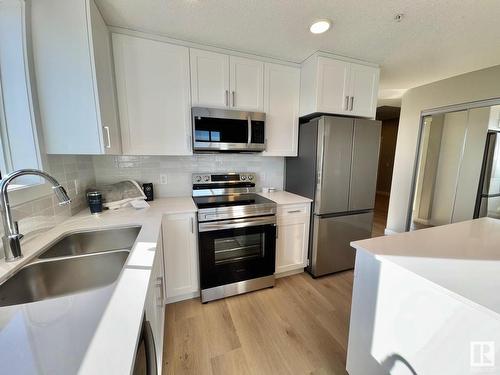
(479, 85)
(178, 170)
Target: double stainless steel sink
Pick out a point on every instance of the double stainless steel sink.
(75, 263)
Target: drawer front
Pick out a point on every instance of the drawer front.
(293, 210)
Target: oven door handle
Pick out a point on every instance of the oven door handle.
(236, 223)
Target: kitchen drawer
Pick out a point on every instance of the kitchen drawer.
(290, 211)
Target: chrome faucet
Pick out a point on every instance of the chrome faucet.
(12, 237)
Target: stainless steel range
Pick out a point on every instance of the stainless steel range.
(236, 235)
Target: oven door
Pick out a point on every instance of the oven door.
(236, 250)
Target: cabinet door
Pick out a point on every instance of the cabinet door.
(209, 78)
(281, 105)
(293, 238)
(181, 255)
(159, 284)
(363, 90)
(364, 167)
(246, 84)
(64, 76)
(103, 62)
(333, 85)
(152, 81)
(155, 303)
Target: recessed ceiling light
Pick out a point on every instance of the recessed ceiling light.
(320, 26)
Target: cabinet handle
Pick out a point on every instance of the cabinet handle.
(352, 103)
(227, 98)
(192, 225)
(159, 284)
(108, 144)
(346, 104)
(234, 101)
(294, 211)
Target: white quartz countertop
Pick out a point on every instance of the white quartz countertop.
(284, 197)
(96, 331)
(463, 258)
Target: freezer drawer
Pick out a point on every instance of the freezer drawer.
(331, 250)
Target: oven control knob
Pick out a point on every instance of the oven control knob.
(243, 177)
(206, 178)
(198, 178)
(250, 177)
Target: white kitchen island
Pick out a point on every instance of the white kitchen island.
(427, 302)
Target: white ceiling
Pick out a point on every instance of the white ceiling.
(436, 39)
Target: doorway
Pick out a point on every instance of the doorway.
(390, 122)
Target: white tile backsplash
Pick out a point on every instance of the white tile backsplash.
(78, 172)
(178, 170)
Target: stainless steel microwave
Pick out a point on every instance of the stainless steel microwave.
(222, 130)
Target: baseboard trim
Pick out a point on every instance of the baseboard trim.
(182, 297)
(289, 273)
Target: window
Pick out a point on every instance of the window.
(18, 132)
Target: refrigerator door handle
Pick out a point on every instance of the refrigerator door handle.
(319, 166)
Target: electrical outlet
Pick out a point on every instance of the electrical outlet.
(163, 179)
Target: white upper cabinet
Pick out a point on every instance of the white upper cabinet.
(333, 86)
(281, 105)
(73, 69)
(209, 78)
(154, 103)
(223, 81)
(246, 84)
(363, 90)
(336, 86)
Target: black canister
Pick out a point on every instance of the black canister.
(148, 191)
(94, 199)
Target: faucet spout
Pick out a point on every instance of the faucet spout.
(12, 237)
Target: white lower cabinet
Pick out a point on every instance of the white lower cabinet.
(181, 256)
(155, 303)
(293, 237)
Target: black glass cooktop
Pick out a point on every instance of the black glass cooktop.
(229, 200)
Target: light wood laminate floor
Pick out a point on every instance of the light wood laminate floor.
(298, 327)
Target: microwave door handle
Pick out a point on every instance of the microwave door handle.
(249, 129)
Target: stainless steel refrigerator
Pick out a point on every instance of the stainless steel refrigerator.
(488, 196)
(336, 167)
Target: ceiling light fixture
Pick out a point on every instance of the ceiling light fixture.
(320, 26)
